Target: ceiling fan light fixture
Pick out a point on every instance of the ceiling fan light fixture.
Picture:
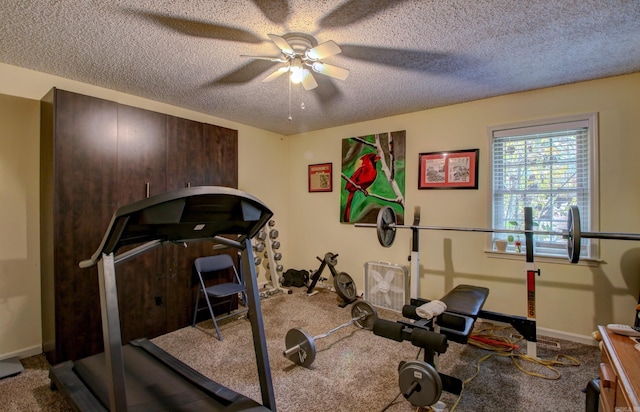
(297, 75)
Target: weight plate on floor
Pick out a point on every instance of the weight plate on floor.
(307, 353)
(386, 226)
(360, 308)
(573, 239)
(345, 287)
(419, 383)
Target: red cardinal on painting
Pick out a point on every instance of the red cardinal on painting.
(361, 179)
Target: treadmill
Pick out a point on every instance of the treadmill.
(140, 376)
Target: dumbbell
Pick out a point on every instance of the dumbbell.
(301, 347)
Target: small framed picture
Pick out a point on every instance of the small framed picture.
(320, 177)
(457, 169)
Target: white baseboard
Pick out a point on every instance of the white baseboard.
(23, 353)
(552, 333)
(572, 337)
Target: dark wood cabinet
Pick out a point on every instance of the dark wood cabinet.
(142, 165)
(97, 155)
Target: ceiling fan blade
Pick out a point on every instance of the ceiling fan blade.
(323, 50)
(282, 70)
(331, 70)
(308, 82)
(271, 59)
(281, 43)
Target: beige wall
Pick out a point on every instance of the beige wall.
(19, 226)
(571, 300)
(262, 162)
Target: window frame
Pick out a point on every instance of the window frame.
(594, 192)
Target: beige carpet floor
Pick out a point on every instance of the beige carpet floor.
(354, 370)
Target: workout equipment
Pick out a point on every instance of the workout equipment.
(140, 375)
(420, 382)
(266, 244)
(343, 283)
(386, 226)
(301, 347)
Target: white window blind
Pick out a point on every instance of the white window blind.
(547, 167)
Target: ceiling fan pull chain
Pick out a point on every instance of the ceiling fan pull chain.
(289, 83)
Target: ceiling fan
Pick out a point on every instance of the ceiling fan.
(302, 55)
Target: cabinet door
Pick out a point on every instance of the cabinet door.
(185, 167)
(85, 150)
(141, 173)
(221, 151)
(185, 153)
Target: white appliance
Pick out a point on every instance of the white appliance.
(386, 285)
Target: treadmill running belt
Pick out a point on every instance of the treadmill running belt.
(152, 386)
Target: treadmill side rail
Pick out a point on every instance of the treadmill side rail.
(75, 391)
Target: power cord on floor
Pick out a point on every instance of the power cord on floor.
(485, 338)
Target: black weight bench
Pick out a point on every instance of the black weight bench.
(464, 304)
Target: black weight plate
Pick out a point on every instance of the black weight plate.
(362, 307)
(429, 382)
(386, 226)
(345, 287)
(307, 353)
(574, 237)
(331, 259)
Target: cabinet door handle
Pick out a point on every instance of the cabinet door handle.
(147, 187)
(607, 377)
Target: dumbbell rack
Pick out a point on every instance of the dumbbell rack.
(265, 246)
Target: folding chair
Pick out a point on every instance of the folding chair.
(205, 266)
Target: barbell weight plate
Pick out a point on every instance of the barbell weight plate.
(345, 287)
(574, 237)
(362, 307)
(429, 384)
(331, 258)
(386, 226)
(307, 353)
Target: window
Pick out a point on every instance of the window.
(548, 166)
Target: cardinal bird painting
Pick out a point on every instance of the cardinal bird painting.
(361, 179)
(372, 176)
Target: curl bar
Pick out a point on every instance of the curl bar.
(301, 347)
(386, 226)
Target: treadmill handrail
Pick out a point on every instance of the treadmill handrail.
(121, 217)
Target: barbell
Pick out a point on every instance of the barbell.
(301, 347)
(386, 226)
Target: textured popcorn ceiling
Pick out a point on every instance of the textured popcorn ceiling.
(404, 56)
